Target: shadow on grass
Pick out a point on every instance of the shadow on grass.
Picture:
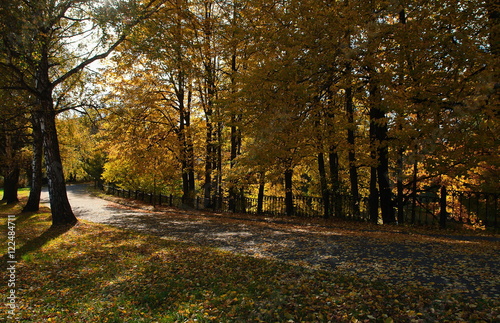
(6, 208)
(38, 242)
(23, 216)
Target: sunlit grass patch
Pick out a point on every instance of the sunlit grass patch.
(98, 273)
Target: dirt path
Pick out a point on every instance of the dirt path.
(466, 264)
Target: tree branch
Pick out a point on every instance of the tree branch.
(146, 14)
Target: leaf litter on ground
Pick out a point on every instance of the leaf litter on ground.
(98, 273)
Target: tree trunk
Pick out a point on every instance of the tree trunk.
(403, 61)
(353, 169)
(324, 185)
(400, 196)
(289, 209)
(386, 202)
(379, 139)
(209, 162)
(33, 203)
(208, 95)
(443, 214)
(218, 167)
(414, 192)
(260, 196)
(59, 204)
(234, 193)
(373, 197)
(187, 152)
(493, 7)
(335, 179)
(10, 185)
(10, 169)
(374, 193)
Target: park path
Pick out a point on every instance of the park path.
(469, 264)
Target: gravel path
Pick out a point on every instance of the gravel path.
(466, 264)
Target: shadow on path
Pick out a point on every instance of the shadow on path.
(457, 263)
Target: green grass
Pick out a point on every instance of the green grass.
(22, 191)
(97, 273)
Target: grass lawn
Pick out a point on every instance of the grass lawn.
(97, 273)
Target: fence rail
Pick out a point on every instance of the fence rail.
(438, 208)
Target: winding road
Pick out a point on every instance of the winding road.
(468, 264)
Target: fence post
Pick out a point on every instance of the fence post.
(442, 206)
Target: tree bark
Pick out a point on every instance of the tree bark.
(33, 203)
(234, 193)
(10, 185)
(289, 208)
(208, 94)
(414, 191)
(400, 188)
(59, 204)
(324, 185)
(10, 169)
(209, 165)
(260, 196)
(386, 202)
(218, 166)
(493, 7)
(379, 138)
(400, 152)
(335, 179)
(373, 197)
(351, 139)
(185, 138)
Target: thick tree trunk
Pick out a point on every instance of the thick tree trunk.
(33, 203)
(10, 185)
(289, 208)
(59, 204)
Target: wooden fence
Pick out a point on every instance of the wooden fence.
(430, 208)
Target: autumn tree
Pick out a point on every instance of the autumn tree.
(47, 44)
(381, 98)
(14, 138)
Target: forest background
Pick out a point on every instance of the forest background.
(376, 99)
